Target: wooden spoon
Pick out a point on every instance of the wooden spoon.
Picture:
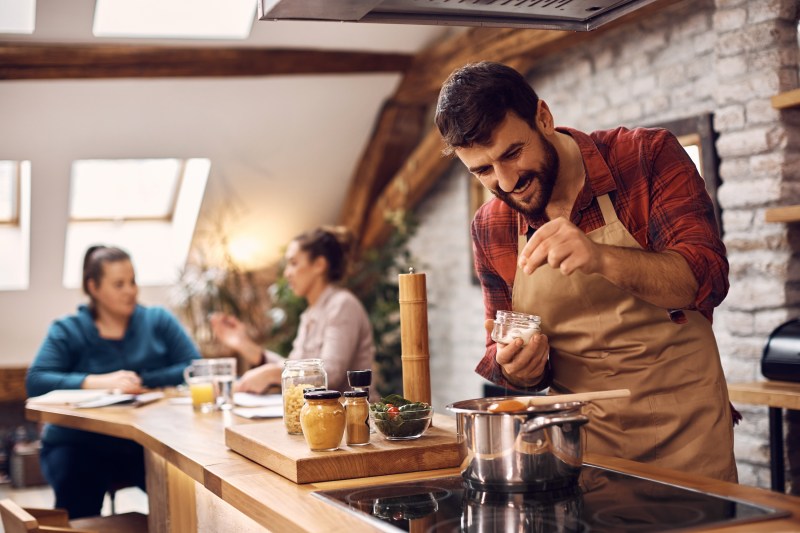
(579, 397)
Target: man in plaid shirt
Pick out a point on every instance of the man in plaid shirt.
(611, 238)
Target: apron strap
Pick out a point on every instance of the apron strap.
(609, 215)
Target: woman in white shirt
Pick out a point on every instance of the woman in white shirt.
(334, 327)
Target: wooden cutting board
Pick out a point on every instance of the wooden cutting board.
(268, 444)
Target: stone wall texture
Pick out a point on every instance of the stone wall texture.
(724, 57)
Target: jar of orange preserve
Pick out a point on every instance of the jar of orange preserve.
(323, 420)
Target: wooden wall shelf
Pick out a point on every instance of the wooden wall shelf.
(789, 213)
(786, 100)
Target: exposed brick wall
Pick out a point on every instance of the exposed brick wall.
(756, 55)
(727, 57)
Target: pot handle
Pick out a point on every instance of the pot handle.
(541, 422)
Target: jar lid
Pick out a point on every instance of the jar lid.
(359, 378)
(322, 395)
(355, 394)
(302, 363)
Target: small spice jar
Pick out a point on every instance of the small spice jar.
(322, 419)
(356, 409)
(360, 379)
(511, 325)
(299, 375)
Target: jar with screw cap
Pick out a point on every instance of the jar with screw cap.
(356, 408)
(322, 419)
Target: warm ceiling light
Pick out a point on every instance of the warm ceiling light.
(18, 16)
(182, 19)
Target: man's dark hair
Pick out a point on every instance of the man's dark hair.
(476, 98)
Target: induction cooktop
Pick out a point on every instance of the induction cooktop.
(602, 500)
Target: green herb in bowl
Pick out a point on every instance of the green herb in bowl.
(399, 419)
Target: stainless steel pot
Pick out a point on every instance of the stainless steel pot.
(538, 448)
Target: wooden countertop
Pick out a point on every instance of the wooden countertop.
(784, 394)
(194, 443)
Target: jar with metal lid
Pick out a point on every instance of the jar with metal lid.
(298, 375)
(356, 408)
(322, 418)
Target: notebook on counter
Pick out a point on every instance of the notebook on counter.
(87, 398)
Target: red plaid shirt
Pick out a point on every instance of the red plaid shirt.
(658, 195)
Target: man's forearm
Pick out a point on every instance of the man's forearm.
(663, 279)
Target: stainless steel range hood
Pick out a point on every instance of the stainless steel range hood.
(579, 15)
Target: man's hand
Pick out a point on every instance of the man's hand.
(124, 381)
(663, 279)
(563, 246)
(522, 364)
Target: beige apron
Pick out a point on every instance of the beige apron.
(603, 338)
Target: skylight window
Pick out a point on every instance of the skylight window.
(17, 16)
(129, 189)
(147, 207)
(181, 19)
(15, 227)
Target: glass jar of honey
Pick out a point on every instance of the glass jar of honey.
(322, 419)
(299, 375)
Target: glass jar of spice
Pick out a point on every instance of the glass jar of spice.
(356, 409)
(322, 418)
(511, 325)
(299, 375)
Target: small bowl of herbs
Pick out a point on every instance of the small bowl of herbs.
(396, 418)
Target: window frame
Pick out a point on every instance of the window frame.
(16, 196)
(168, 217)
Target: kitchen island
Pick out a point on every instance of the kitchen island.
(195, 483)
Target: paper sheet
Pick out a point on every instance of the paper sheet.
(273, 411)
(246, 399)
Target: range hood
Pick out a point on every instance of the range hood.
(577, 15)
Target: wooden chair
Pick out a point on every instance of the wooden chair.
(18, 520)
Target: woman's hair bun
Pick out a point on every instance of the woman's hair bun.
(344, 236)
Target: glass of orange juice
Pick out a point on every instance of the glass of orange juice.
(200, 378)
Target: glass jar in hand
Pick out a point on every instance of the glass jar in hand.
(322, 418)
(298, 375)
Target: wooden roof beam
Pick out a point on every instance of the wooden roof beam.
(27, 61)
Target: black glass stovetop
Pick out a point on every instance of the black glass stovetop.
(601, 501)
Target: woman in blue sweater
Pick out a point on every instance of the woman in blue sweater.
(111, 343)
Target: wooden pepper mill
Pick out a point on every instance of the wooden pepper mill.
(414, 337)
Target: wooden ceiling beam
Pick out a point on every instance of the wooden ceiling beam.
(28, 61)
(432, 66)
(418, 174)
(395, 136)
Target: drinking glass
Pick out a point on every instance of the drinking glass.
(224, 377)
(200, 377)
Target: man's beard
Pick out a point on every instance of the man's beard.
(545, 177)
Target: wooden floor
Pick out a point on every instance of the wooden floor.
(127, 500)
